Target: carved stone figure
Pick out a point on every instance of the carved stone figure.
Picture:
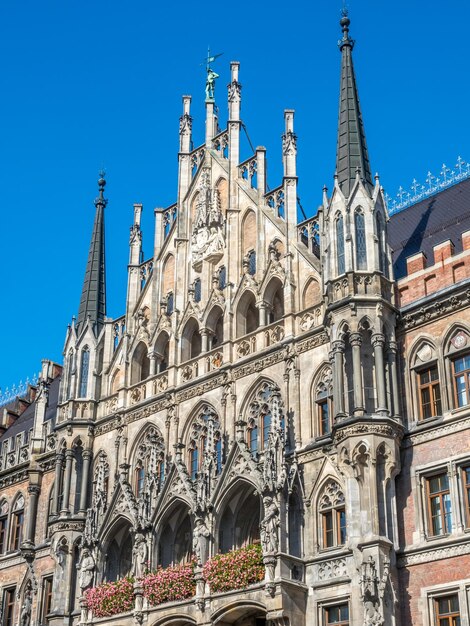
(210, 83)
(208, 237)
(25, 615)
(269, 526)
(139, 556)
(87, 568)
(200, 532)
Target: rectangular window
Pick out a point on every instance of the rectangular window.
(8, 606)
(254, 439)
(338, 615)
(447, 611)
(439, 505)
(429, 392)
(266, 428)
(16, 531)
(462, 380)
(334, 528)
(466, 494)
(324, 416)
(46, 600)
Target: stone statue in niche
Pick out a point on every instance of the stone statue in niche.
(25, 616)
(87, 568)
(208, 236)
(269, 527)
(139, 556)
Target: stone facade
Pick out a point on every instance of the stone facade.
(269, 384)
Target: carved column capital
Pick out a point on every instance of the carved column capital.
(378, 340)
(87, 454)
(355, 339)
(337, 346)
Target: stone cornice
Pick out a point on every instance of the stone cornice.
(434, 553)
(436, 430)
(434, 307)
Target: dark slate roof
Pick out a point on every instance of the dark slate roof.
(446, 215)
(26, 420)
(93, 300)
(351, 150)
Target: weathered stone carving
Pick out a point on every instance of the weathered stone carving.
(208, 237)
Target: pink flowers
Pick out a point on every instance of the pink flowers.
(170, 584)
(111, 598)
(235, 570)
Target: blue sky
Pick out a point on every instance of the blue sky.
(92, 82)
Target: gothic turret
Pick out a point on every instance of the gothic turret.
(93, 300)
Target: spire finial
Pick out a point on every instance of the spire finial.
(101, 200)
(344, 23)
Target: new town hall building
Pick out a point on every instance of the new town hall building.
(303, 387)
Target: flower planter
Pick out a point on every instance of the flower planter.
(235, 570)
(111, 598)
(169, 584)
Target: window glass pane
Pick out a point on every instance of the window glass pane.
(361, 248)
(197, 290)
(342, 526)
(266, 427)
(84, 372)
(254, 439)
(340, 244)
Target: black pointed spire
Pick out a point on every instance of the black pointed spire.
(93, 300)
(351, 151)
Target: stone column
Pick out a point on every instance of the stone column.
(378, 341)
(392, 359)
(33, 491)
(204, 332)
(67, 480)
(355, 339)
(59, 459)
(152, 355)
(337, 357)
(87, 456)
(263, 314)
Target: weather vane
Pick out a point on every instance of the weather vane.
(211, 75)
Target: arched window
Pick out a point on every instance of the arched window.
(205, 443)
(332, 513)
(149, 472)
(458, 353)
(247, 314)
(68, 387)
(4, 508)
(265, 416)
(383, 263)
(340, 245)
(324, 404)
(84, 367)
(424, 367)
(17, 521)
(361, 244)
(190, 340)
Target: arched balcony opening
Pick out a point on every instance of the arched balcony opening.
(274, 298)
(247, 314)
(176, 537)
(240, 521)
(190, 341)
(215, 325)
(162, 349)
(140, 366)
(118, 552)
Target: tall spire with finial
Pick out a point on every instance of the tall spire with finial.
(351, 151)
(93, 300)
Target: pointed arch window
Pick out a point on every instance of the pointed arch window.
(332, 512)
(205, 444)
(17, 522)
(149, 472)
(361, 245)
(383, 264)
(84, 367)
(3, 526)
(68, 388)
(340, 260)
(265, 417)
